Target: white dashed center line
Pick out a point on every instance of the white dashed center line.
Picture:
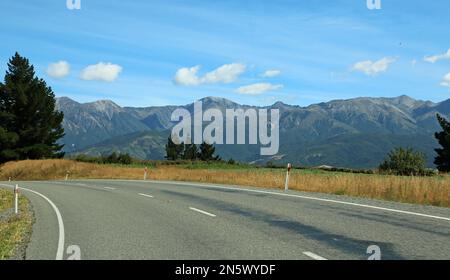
(146, 195)
(201, 211)
(314, 256)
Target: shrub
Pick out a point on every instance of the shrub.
(113, 158)
(405, 162)
(271, 164)
(125, 159)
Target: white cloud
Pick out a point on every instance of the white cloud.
(446, 81)
(259, 88)
(226, 74)
(187, 76)
(413, 63)
(59, 69)
(371, 68)
(436, 58)
(106, 72)
(271, 73)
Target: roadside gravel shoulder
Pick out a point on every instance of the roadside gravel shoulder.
(15, 231)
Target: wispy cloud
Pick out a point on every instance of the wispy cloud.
(225, 74)
(259, 88)
(271, 73)
(105, 72)
(58, 69)
(446, 81)
(436, 58)
(373, 68)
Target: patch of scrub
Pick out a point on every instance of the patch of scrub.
(15, 230)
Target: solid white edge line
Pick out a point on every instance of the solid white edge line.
(146, 195)
(306, 197)
(109, 188)
(314, 256)
(201, 211)
(60, 251)
(284, 194)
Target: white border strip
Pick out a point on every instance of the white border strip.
(60, 251)
(304, 197)
(276, 193)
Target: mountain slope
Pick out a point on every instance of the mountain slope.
(349, 133)
(90, 123)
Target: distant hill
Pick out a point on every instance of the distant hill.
(90, 123)
(354, 133)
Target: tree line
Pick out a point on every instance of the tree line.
(113, 158)
(203, 152)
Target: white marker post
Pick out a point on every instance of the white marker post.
(9, 179)
(286, 184)
(67, 175)
(16, 199)
(145, 173)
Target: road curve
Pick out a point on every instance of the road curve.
(118, 219)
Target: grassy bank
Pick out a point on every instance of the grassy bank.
(57, 170)
(420, 190)
(15, 231)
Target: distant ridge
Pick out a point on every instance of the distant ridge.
(346, 133)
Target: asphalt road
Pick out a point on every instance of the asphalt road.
(171, 220)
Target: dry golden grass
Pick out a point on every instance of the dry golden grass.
(56, 169)
(420, 190)
(6, 200)
(15, 231)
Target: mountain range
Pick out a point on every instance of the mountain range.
(353, 133)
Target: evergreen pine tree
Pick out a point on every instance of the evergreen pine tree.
(206, 152)
(190, 152)
(442, 160)
(29, 125)
(179, 150)
(171, 150)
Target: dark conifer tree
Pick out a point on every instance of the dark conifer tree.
(171, 149)
(190, 152)
(443, 158)
(29, 124)
(206, 152)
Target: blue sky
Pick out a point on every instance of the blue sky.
(145, 53)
